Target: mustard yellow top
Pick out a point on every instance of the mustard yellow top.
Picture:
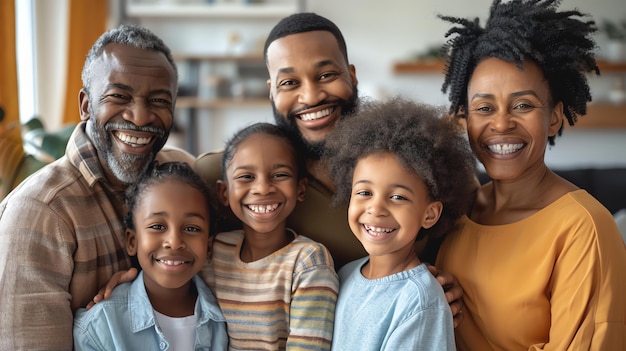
(552, 281)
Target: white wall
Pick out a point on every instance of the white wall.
(379, 33)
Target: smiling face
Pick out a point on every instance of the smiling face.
(262, 186)
(311, 84)
(129, 108)
(171, 234)
(388, 206)
(510, 117)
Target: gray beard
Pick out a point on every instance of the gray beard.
(125, 167)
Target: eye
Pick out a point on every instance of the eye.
(244, 177)
(116, 97)
(363, 193)
(483, 109)
(523, 106)
(281, 176)
(287, 84)
(328, 75)
(398, 197)
(158, 227)
(161, 102)
(193, 229)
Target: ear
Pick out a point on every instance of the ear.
(222, 192)
(301, 188)
(131, 242)
(556, 119)
(353, 75)
(269, 86)
(432, 214)
(83, 104)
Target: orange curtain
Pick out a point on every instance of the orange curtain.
(8, 72)
(87, 21)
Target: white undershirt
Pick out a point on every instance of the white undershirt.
(180, 332)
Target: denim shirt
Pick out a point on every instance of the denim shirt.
(126, 321)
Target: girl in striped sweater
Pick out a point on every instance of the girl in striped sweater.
(276, 288)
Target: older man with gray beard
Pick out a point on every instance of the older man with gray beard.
(62, 229)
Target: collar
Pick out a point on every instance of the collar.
(142, 315)
(82, 154)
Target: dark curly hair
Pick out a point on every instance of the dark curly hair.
(558, 42)
(428, 143)
(157, 174)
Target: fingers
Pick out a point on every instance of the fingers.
(458, 318)
(117, 279)
(453, 292)
(446, 279)
(99, 296)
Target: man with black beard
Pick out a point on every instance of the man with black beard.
(62, 229)
(312, 87)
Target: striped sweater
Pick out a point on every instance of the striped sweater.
(283, 301)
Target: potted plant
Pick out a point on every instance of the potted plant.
(615, 32)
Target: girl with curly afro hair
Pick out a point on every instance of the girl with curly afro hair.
(405, 171)
(541, 261)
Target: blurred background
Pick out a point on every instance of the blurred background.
(218, 48)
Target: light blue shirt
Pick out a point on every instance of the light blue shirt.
(403, 311)
(126, 321)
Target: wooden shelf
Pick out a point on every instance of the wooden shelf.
(217, 58)
(606, 67)
(437, 66)
(197, 103)
(602, 115)
(206, 10)
(431, 66)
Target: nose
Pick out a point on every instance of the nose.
(312, 93)
(139, 113)
(376, 207)
(502, 122)
(263, 186)
(174, 240)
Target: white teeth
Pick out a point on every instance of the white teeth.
(504, 149)
(377, 230)
(171, 263)
(131, 140)
(315, 115)
(263, 208)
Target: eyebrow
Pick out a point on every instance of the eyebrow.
(130, 89)
(396, 185)
(119, 86)
(274, 167)
(515, 94)
(165, 214)
(317, 65)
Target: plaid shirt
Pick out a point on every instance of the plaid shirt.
(62, 238)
